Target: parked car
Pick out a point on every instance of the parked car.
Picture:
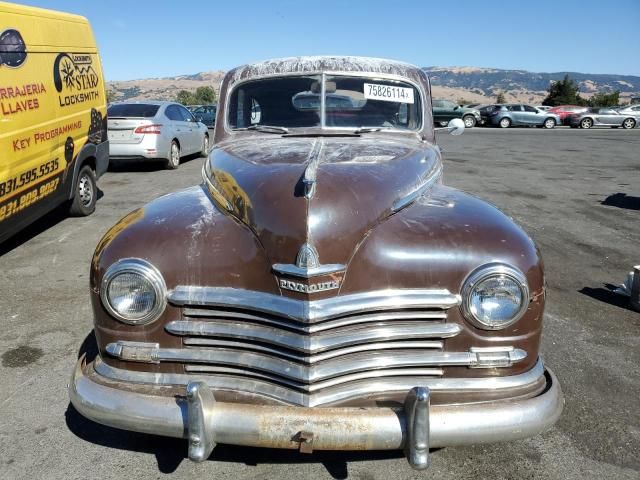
(485, 111)
(603, 117)
(204, 113)
(513, 115)
(53, 137)
(154, 130)
(563, 111)
(633, 110)
(320, 265)
(446, 110)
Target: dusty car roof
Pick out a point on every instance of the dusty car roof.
(324, 63)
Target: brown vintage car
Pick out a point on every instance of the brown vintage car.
(321, 289)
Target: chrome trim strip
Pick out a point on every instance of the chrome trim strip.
(295, 271)
(317, 343)
(338, 367)
(206, 342)
(312, 311)
(338, 392)
(319, 386)
(319, 327)
(411, 197)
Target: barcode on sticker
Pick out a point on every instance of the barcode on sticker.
(388, 93)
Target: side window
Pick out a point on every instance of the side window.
(172, 113)
(514, 108)
(185, 114)
(527, 108)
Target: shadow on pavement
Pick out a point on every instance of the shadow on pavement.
(144, 165)
(622, 200)
(170, 452)
(607, 295)
(41, 225)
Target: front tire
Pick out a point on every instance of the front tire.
(443, 124)
(628, 123)
(549, 123)
(173, 161)
(85, 193)
(586, 123)
(505, 122)
(469, 121)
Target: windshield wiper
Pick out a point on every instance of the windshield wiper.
(266, 129)
(369, 129)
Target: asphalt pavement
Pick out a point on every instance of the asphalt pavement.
(576, 192)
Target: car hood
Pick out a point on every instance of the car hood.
(357, 183)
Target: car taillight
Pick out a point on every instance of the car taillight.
(148, 129)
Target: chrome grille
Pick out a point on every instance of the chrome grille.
(308, 345)
(310, 352)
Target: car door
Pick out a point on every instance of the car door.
(193, 128)
(532, 116)
(607, 116)
(438, 111)
(178, 128)
(516, 114)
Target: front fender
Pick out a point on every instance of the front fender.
(436, 243)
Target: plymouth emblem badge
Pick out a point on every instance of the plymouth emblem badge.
(308, 266)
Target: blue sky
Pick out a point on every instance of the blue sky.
(140, 39)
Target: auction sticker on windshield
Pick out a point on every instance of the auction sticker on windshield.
(388, 93)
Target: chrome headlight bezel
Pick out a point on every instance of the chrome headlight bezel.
(150, 274)
(483, 273)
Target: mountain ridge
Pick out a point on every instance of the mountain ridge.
(467, 84)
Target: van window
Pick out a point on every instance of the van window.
(138, 110)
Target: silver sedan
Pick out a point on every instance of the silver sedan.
(603, 117)
(154, 130)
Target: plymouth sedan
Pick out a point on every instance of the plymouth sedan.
(321, 288)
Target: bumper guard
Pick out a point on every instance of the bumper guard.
(415, 428)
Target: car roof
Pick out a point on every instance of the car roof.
(329, 63)
(146, 102)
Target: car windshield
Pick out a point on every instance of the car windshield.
(137, 110)
(350, 102)
(202, 109)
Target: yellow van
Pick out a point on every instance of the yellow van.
(53, 125)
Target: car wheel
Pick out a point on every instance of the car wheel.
(549, 123)
(85, 193)
(443, 124)
(628, 123)
(586, 123)
(505, 122)
(173, 161)
(469, 121)
(205, 145)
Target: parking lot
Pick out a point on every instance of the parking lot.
(576, 192)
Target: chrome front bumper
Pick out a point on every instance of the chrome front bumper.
(417, 427)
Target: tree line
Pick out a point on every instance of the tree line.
(202, 96)
(565, 92)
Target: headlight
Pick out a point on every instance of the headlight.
(495, 296)
(133, 291)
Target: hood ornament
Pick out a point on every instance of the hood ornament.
(307, 264)
(307, 257)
